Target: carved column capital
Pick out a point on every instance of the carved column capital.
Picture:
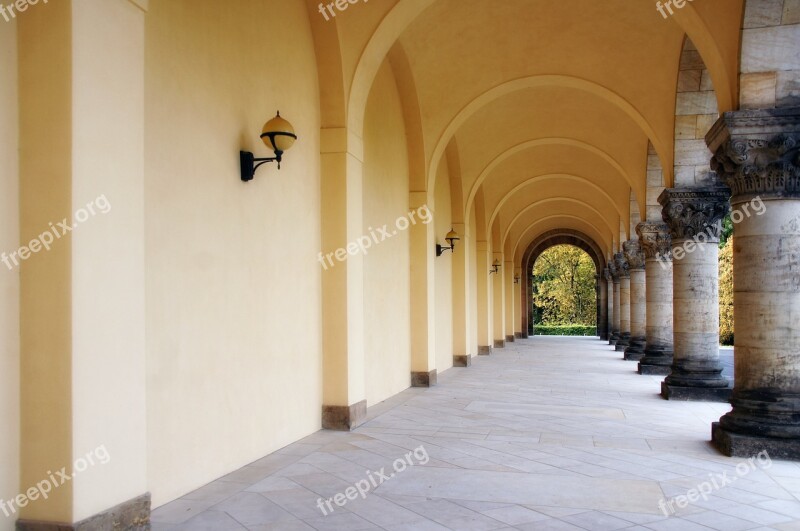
(656, 240)
(634, 255)
(612, 270)
(693, 211)
(757, 152)
(623, 270)
(607, 274)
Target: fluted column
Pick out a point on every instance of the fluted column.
(756, 154)
(615, 321)
(602, 306)
(656, 243)
(694, 216)
(635, 258)
(624, 302)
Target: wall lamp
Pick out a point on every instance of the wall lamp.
(516, 279)
(495, 267)
(278, 135)
(451, 238)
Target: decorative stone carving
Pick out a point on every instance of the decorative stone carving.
(607, 275)
(622, 266)
(655, 239)
(633, 254)
(690, 212)
(758, 152)
(612, 270)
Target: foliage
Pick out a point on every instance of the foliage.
(564, 330)
(564, 288)
(727, 231)
(726, 293)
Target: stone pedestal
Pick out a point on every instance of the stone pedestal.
(756, 154)
(656, 244)
(635, 258)
(694, 216)
(624, 302)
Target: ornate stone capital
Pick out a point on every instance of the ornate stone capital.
(607, 274)
(693, 211)
(634, 254)
(623, 270)
(656, 240)
(612, 270)
(757, 152)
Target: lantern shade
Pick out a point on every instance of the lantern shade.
(452, 236)
(278, 134)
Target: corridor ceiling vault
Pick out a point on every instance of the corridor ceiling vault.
(549, 106)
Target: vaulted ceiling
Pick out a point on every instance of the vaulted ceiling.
(549, 105)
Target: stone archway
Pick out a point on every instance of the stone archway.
(546, 241)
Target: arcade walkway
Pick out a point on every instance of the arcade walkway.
(549, 433)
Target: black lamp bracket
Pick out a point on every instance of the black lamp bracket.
(249, 164)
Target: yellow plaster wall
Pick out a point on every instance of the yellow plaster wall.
(233, 277)
(473, 282)
(108, 296)
(9, 280)
(443, 274)
(386, 266)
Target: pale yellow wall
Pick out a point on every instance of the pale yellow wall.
(443, 274)
(387, 288)
(233, 279)
(45, 114)
(473, 282)
(9, 280)
(108, 306)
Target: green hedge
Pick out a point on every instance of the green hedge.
(564, 330)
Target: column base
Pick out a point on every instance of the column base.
(695, 394)
(131, 515)
(657, 360)
(344, 418)
(521, 335)
(499, 343)
(635, 350)
(612, 340)
(741, 445)
(623, 342)
(462, 361)
(510, 339)
(423, 379)
(704, 374)
(484, 351)
(654, 370)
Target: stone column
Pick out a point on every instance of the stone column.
(609, 302)
(656, 242)
(756, 154)
(694, 216)
(635, 258)
(615, 322)
(624, 302)
(602, 305)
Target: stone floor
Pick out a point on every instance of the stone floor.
(548, 433)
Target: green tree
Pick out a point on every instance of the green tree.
(726, 293)
(564, 287)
